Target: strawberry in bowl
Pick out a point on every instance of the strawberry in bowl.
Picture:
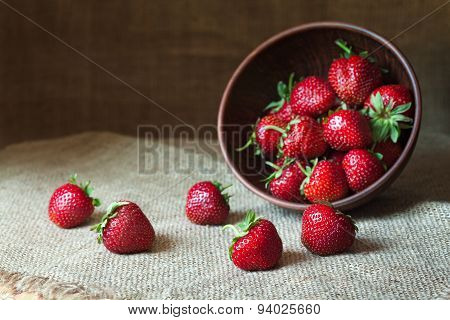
(351, 127)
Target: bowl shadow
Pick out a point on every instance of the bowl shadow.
(424, 180)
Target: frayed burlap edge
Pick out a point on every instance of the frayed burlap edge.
(14, 286)
(19, 287)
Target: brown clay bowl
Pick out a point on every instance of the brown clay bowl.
(306, 50)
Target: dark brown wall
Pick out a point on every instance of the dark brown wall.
(179, 53)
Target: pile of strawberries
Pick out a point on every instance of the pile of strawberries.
(326, 138)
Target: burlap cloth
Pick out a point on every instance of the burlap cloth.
(402, 250)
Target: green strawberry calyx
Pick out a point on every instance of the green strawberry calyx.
(345, 47)
(284, 91)
(378, 155)
(348, 52)
(111, 212)
(307, 171)
(284, 133)
(242, 228)
(252, 138)
(222, 188)
(86, 187)
(386, 120)
(278, 170)
(251, 141)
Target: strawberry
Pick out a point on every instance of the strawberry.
(311, 97)
(125, 229)
(325, 181)
(256, 245)
(336, 156)
(389, 110)
(285, 112)
(395, 94)
(347, 129)
(266, 136)
(327, 231)
(390, 152)
(362, 168)
(303, 139)
(282, 107)
(284, 183)
(279, 162)
(71, 204)
(353, 77)
(207, 204)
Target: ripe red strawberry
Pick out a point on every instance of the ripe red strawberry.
(71, 204)
(311, 97)
(256, 245)
(336, 156)
(353, 77)
(282, 108)
(266, 135)
(285, 112)
(279, 162)
(394, 94)
(362, 168)
(347, 129)
(389, 109)
(207, 204)
(284, 183)
(327, 231)
(303, 139)
(125, 229)
(390, 152)
(325, 181)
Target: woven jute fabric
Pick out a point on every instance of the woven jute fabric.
(401, 252)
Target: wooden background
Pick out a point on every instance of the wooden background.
(178, 53)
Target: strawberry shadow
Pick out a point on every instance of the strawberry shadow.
(93, 219)
(291, 257)
(235, 217)
(366, 245)
(162, 243)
